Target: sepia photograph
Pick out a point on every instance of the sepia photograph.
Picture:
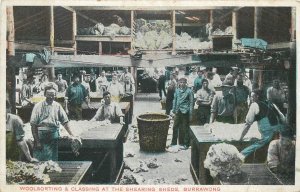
(148, 98)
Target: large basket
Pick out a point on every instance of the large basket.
(153, 131)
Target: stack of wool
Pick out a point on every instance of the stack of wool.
(227, 31)
(27, 173)
(99, 29)
(185, 41)
(223, 160)
(153, 35)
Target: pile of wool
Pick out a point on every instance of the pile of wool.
(18, 172)
(153, 35)
(99, 29)
(227, 31)
(130, 178)
(223, 159)
(185, 41)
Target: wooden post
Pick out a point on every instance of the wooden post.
(293, 24)
(234, 29)
(11, 31)
(132, 26)
(10, 68)
(74, 31)
(173, 17)
(51, 70)
(100, 48)
(257, 20)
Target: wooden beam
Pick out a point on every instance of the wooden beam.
(80, 14)
(45, 42)
(293, 24)
(173, 32)
(123, 38)
(151, 60)
(234, 29)
(35, 47)
(257, 21)
(74, 31)
(11, 31)
(132, 29)
(51, 38)
(279, 45)
(100, 48)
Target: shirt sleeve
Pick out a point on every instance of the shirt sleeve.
(119, 112)
(98, 114)
(214, 105)
(35, 114)
(63, 117)
(269, 90)
(253, 111)
(18, 128)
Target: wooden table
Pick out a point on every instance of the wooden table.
(104, 147)
(255, 174)
(73, 173)
(201, 140)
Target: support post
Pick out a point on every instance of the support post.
(234, 29)
(257, 20)
(10, 69)
(173, 32)
(51, 70)
(74, 31)
(100, 48)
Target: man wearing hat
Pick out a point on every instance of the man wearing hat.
(45, 119)
(75, 95)
(231, 76)
(183, 106)
(223, 105)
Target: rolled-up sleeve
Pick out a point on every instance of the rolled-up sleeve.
(62, 116)
(253, 111)
(34, 119)
(214, 105)
(119, 112)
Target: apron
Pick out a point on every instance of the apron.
(49, 141)
(12, 150)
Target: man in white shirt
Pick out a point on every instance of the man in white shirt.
(276, 95)
(129, 91)
(116, 89)
(108, 112)
(126, 74)
(101, 82)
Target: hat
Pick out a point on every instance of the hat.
(51, 85)
(183, 79)
(234, 68)
(202, 68)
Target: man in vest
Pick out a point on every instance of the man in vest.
(129, 91)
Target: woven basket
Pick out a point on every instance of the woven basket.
(153, 131)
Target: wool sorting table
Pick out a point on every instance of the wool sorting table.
(257, 174)
(73, 173)
(201, 140)
(103, 146)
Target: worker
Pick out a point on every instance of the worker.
(192, 77)
(61, 83)
(198, 80)
(269, 120)
(246, 81)
(75, 96)
(211, 83)
(86, 84)
(171, 87)
(93, 82)
(102, 83)
(231, 76)
(276, 95)
(242, 94)
(25, 93)
(216, 81)
(15, 137)
(116, 89)
(183, 106)
(222, 107)
(281, 153)
(45, 120)
(124, 74)
(109, 111)
(204, 100)
(129, 91)
(162, 84)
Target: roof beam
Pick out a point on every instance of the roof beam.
(35, 47)
(149, 60)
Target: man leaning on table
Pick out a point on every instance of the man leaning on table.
(45, 120)
(109, 112)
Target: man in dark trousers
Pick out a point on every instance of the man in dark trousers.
(161, 85)
(75, 95)
(182, 108)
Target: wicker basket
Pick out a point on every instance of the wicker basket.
(153, 131)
